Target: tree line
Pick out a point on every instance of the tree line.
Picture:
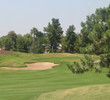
(94, 37)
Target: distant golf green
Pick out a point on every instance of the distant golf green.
(32, 85)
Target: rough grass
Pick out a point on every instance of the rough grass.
(17, 59)
(29, 85)
(96, 92)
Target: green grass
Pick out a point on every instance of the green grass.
(29, 85)
(95, 92)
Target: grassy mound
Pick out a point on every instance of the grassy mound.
(96, 92)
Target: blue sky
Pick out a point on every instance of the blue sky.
(22, 15)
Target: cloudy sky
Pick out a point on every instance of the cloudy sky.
(22, 15)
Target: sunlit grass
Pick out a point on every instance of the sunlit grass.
(29, 85)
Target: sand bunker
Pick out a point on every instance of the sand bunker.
(34, 66)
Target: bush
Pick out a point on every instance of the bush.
(97, 68)
(108, 74)
(75, 67)
(105, 60)
(84, 65)
(89, 61)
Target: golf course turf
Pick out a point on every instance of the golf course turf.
(33, 84)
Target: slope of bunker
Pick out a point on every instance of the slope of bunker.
(34, 66)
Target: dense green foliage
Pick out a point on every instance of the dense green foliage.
(94, 37)
(29, 85)
(88, 63)
(70, 39)
(95, 33)
(76, 68)
(54, 34)
(37, 41)
(105, 60)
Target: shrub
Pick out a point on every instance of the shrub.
(75, 67)
(97, 67)
(84, 65)
(108, 74)
(105, 60)
(89, 61)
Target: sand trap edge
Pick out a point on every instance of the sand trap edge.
(34, 66)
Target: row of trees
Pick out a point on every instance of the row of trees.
(38, 42)
(95, 33)
(30, 42)
(93, 38)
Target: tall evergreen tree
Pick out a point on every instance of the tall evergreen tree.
(95, 32)
(70, 38)
(13, 36)
(37, 43)
(54, 33)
